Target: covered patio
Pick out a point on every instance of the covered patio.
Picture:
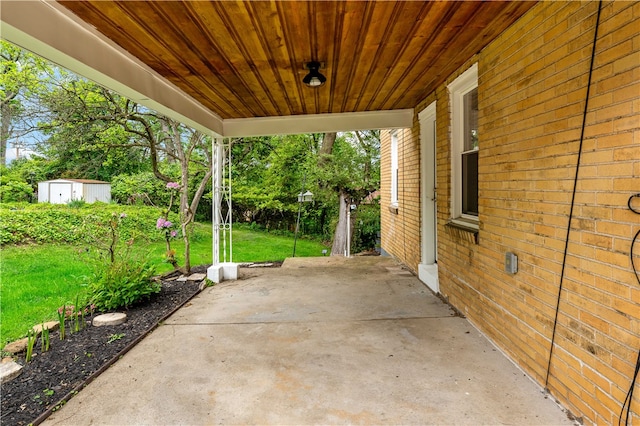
(318, 341)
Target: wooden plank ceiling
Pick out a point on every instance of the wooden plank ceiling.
(245, 59)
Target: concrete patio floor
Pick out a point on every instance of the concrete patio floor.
(317, 341)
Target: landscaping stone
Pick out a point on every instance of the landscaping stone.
(9, 370)
(196, 277)
(192, 277)
(16, 347)
(51, 326)
(114, 318)
(261, 265)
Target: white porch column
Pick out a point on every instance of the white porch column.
(222, 217)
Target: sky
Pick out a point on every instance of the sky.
(12, 153)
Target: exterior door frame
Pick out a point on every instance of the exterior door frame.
(428, 267)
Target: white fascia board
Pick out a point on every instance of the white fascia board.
(318, 123)
(51, 31)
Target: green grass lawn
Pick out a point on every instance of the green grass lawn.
(37, 279)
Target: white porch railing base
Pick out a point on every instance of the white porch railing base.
(215, 273)
(223, 271)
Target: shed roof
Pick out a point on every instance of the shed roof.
(93, 181)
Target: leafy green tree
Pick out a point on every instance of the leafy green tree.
(12, 190)
(83, 139)
(86, 118)
(21, 76)
(349, 166)
(269, 173)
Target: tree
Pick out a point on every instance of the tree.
(20, 78)
(340, 169)
(350, 165)
(88, 118)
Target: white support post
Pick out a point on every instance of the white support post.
(222, 220)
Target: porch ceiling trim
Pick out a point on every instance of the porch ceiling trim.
(318, 123)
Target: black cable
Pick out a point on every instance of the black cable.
(629, 398)
(573, 195)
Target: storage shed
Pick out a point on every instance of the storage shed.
(61, 191)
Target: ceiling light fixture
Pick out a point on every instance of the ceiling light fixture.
(314, 78)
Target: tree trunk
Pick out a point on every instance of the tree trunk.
(5, 114)
(186, 215)
(327, 143)
(340, 236)
(327, 147)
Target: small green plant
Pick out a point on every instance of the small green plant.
(76, 204)
(32, 336)
(48, 392)
(45, 339)
(58, 406)
(115, 337)
(122, 284)
(62, 317)
(78, 316)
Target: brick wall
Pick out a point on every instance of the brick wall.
(532, 88)
(401, 228)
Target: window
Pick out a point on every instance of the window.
(394, 168)
(464, 149)
(470, 155)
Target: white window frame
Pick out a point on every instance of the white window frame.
(394, 168)
(462, 85)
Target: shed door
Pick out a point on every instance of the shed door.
(59, 193)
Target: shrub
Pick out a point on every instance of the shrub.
(367, 227)
(15, 191)
(119, 280)
(121, 284)
(76, 204)
(54, 223)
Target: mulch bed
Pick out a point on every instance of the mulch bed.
(54, 376)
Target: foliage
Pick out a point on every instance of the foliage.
(83, 138)
(31, 342)
(107, 129)
(119, 279)
(142, 188)
(62, 317)
(22, 223)
(167, 227)
(269, 173)
(367, 227)
(76, 204)
(22, 76)
(114, 337)
(28, 172)
(12, 191)
(122, 283)
(45, 338)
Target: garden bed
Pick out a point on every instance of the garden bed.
(52, 377)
